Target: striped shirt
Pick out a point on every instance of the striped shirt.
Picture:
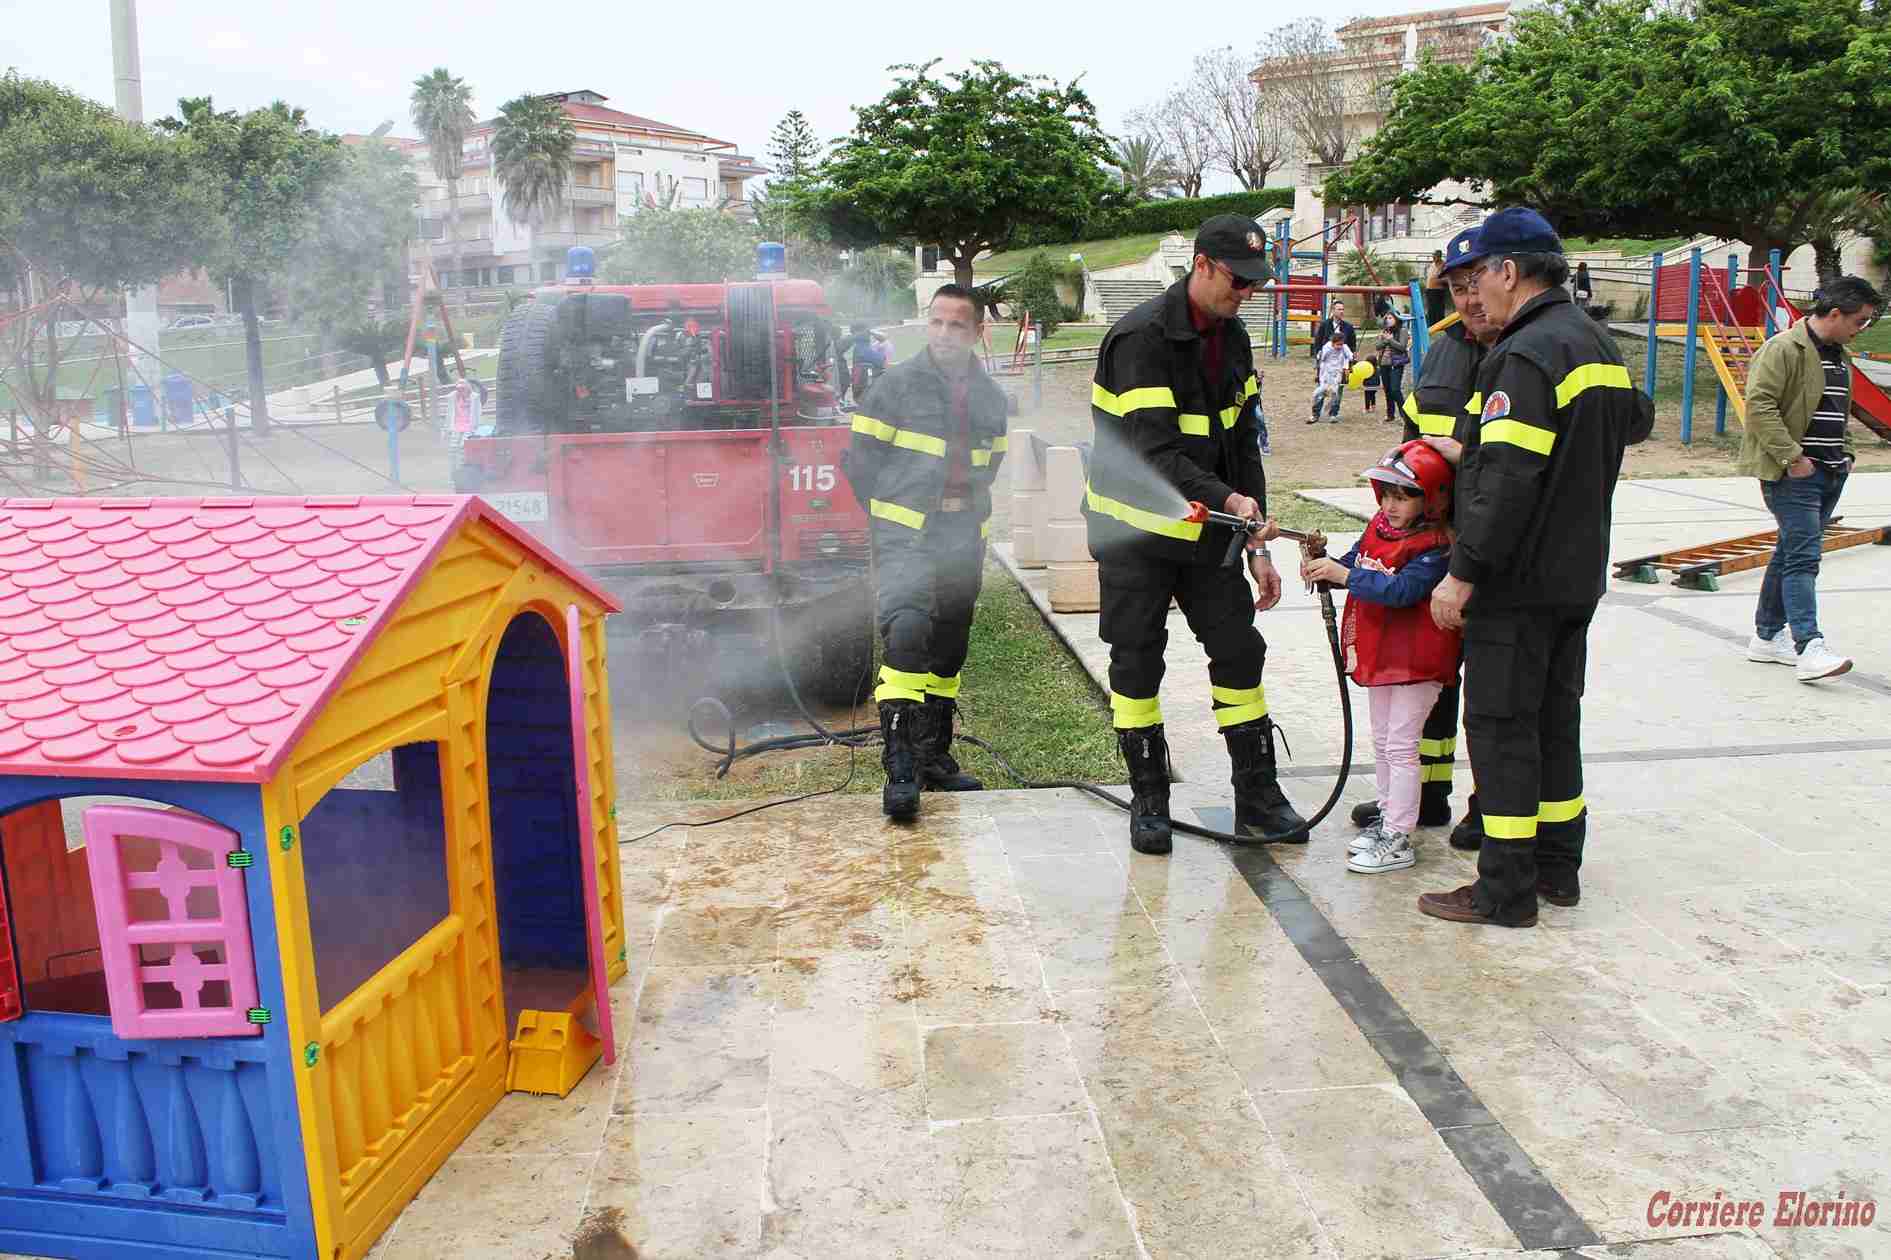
(1824, 442)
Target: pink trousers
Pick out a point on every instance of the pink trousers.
(1398, 718)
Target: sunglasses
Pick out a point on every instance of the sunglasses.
(1235, 281)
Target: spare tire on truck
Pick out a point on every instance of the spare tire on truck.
(531, 399)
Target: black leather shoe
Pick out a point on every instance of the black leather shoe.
(939, 771)
(902, 734)
(1146, 752)
(1469, 834)
(1262, 811)
(1366, 813)
(1561, 892)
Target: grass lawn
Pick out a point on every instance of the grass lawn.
(1023, 693)
(1623, 245)
(910, 339)
(1875, 339)
(1113, 252)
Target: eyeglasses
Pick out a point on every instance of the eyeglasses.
(1234, 281)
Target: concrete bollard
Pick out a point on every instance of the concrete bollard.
(1064, 542)
(1074, 588)
(1027, 473)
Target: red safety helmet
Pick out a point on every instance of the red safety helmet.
(1416, 466)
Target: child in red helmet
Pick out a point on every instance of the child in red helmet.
(1393, 648)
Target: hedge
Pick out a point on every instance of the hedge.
(1185, 214)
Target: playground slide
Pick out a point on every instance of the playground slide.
(1871, 406)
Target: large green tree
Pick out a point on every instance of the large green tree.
(1731, 118)
(532, 143)
(968, 159)
(442, 109)
(353, 259)
(792, 146)
(270, 173)
(679, 247)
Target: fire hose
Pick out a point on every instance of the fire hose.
(1312, 546)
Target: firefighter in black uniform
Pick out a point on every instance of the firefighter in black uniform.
(1174, 402)
(1535, 480)
(1437, 407)
(928, 439)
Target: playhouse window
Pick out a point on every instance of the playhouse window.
(374, 863)
(173, 923)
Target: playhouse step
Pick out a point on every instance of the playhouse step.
(550, 1054)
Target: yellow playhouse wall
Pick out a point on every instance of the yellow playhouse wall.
(398, 1073)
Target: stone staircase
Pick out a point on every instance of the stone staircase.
(1119, 297)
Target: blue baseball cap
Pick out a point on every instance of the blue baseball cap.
(1515, 230)
(1462, 249)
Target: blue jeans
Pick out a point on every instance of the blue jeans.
(1803, 507)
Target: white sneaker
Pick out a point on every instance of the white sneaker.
(1777, 650)
(1819, 661)
(1393, 853)
(1374, 832)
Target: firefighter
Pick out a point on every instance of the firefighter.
(928, 439)
(1536, 476)
(1175, 403)
(1437, 407)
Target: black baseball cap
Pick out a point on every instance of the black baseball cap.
(1235, 241)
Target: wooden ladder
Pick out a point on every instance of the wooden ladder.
(1701, 568)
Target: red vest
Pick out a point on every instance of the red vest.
(1387, 646)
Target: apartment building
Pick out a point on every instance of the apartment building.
(622, 163)
(1354, 80)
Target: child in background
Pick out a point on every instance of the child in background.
(1333, 362)
(1393, 648)
(1372, 382)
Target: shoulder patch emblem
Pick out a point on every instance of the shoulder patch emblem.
(1496, 407)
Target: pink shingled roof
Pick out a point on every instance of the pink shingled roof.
(197, 638)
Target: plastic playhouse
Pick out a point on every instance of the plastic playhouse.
(305, 806)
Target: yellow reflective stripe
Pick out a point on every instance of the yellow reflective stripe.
(1237, 695)
(1518, 433)
(1249, 387)
(1237, 714)
(1229, 415)
(1475, 405)
(1591, 376)
(1429, 423)
(1559, 811)
(1509, 827)
(1437, 772)
(1192, 424)
(1437, 747)
(922, 442)
(1132, 714)
(1001, 443)
(984, 529)
(897, 514)
(899, 437)
(1131, 399)
(981, 458)
(947, 687)
(1137, 518)
(897, 684)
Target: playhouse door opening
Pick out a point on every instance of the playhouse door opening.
(537, 869)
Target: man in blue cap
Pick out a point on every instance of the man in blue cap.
(1537, 472)
(1437, 408)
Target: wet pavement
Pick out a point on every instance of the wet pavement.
(999, 1032)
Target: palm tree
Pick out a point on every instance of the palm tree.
(442, 109)
(1143, 166)
(531, 157)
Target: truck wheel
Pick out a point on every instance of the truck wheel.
(832, 648)
(530, 400)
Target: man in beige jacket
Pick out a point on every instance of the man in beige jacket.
(1799, 396)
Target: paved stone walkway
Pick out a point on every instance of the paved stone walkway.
(999, 1032)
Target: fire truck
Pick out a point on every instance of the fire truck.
(682, 443)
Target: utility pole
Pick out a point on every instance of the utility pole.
(141, 305)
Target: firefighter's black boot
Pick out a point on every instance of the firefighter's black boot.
(902, 735)
(1469, 834)
(1146, 751)
(938, 771)
(1260, 807)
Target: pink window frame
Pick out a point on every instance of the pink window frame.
(120, 939)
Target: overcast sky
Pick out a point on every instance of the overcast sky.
(729, 69)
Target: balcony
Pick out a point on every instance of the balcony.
(589, 195)
(565, 240)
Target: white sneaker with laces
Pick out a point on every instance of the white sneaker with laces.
(1374, 832)
(1819, 661)
(1777, 650)
(1394, 852)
